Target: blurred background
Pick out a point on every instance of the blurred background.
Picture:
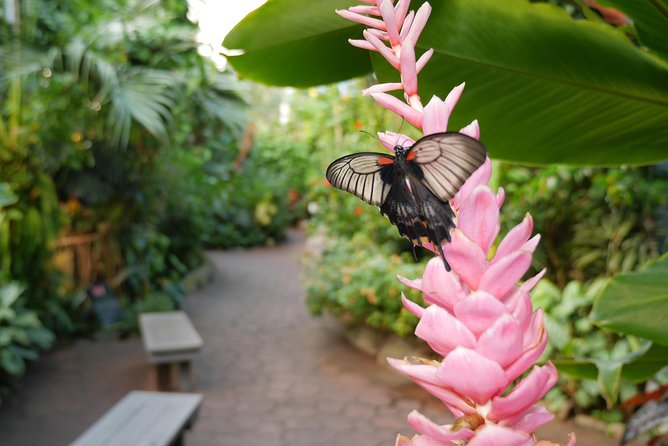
(129, 148)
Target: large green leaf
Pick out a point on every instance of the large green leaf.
(545, 88)
(637, 367)
(650, 17)
(637, 303)
(297, 42)
(646, 366)
(576, 367)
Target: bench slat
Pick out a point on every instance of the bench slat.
(169, 332)
(143, 419)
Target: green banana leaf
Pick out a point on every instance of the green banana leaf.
(636, 303)
(546, 88)
(297, 43)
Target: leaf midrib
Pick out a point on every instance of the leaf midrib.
(556, 80)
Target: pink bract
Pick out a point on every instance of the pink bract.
(479, 317)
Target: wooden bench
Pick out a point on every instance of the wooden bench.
(170, 338)
(144, 419)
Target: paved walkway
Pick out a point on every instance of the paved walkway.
(270, 373)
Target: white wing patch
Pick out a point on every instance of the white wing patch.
(447, 160)
(360, 174)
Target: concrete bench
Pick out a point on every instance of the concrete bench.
(169, 339)
(144, 419)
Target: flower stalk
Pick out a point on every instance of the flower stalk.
(479, 317)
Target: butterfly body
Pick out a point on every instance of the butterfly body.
(413, 188)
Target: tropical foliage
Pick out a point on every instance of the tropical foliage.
(22, 335)
(574, 335)
(119, 141)
(571, 205)
(558, 97)
(594, 222)
(113, 127)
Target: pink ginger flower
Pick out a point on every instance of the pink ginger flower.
(394, 35)
(478, 318)
(483, 325)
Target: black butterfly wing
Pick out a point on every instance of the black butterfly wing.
(401, 209)
(367, 175)
(418, 214)
(446, 160)
(436, 166)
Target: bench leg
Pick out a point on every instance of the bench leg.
(184, 376)
(178, 441)
(164, 376)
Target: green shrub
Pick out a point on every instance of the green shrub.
(153, 301)
(22, 335)
(259, 200)
(369, 295)
(593, 222)
(573, 335)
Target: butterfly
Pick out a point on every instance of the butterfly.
(414, 187)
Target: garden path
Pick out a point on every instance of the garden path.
(270, 373)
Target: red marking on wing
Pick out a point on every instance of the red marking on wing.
(385, 161)
(411, 155)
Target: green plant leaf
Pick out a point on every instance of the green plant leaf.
(11, 362)
(143, 95)
(647, 365)
(25, 353)
(637, 366)
(297, 42)
(636, 303)
(609, 378)
(650, 18)
(610, 372)
(558, 331)
(41, 337)
(139, 93)
(544, 87)
(578, 368)
(7, 197)
(6, 335)
(26, 319)
(9, 293)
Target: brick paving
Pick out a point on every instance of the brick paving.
(269, 373)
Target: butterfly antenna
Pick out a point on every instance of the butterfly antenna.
(399, 131)
(374, 137)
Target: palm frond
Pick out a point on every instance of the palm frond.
(222, 99)
(136, 18)
(85, 63)
(20, 60)
(139, 94)
(142, 95)
(232, 111)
